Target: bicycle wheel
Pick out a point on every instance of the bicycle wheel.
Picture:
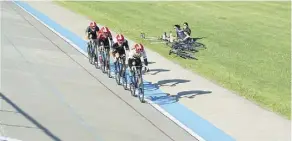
(102, 60)
(140, 86)
(89, 53)
(125, 83)
(96, 54)
(133, 82)
(117, 71)
(108, 63)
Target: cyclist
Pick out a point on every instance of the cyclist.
(105, 37)
(119, 48)
(135, 54)
(91, 32)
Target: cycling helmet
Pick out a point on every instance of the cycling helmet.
(105, 30)
(139, 48)
(92, 24)
(120, 38)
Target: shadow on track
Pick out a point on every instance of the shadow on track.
(31, 119)
(166, 98)
(156, 71)
(173, 81)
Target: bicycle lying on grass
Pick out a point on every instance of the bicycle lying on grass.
(184, 49)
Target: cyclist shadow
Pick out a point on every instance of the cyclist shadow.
(166, 98)
(156, 71)
(190, 94)
(171, 82)
(149, 86)
(163, 99)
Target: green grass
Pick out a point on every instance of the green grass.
(248, 42)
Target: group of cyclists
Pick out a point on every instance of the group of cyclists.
(116, 46)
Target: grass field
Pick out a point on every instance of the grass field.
(248, 42)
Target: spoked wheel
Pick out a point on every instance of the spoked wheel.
(141, 86)
(125, 83)
(103, 62)
(133, 84)
(90, 58)
(141, 95)
(117, 72)
(96, 59)
(108, 69)
(133, 90)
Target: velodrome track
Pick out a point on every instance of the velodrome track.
(49, 91)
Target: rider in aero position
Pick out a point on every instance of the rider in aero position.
(119, 46)
(91, 32)
(105, 37)
(135, 54)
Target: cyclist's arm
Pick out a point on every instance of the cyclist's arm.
(110, 36)
(86, 33)
(145, 57)
(187, 36)
(97, 28)
(98, 36)
(126, 44)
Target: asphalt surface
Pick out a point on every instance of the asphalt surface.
(49, 91)
(236, 116)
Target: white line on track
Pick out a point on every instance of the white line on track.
(156, 106)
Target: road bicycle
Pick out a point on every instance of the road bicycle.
(120, 71)
(136, 81)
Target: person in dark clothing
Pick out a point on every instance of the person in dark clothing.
(186, 28)
(180, 33)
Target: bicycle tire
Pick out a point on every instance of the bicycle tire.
(125, 82)
(89, 54)
(102, 60)
(89, 50)
(96, 54)
(117, 71)
(108, 64)
(133, 83)
(141, 86)
(124, 74)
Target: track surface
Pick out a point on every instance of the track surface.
(49, 91)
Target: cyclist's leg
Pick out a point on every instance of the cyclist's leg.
(107, 47)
